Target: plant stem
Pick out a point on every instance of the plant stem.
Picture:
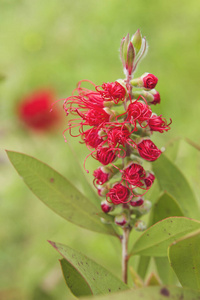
(125, 257)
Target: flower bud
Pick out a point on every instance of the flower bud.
(149, 179)
(102, 190)
(140, 225)
(102, 175)
(121, 220)
(147, 80)
(156, 97)
(137, 41)
(148, 150)
(118, 194)
(136, 203)
(145, 207)
(106, 206)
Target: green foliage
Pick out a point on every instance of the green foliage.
(58, 193)
(98, 279)
(153, 293)
(74, 280)
(171, 180)
(155, 240)
(184, 257)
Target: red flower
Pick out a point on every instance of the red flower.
(117, 134)
(138, 111)
(118, 194)
(100, 176)
(35, 110)
(134, 174)
(157, 123)
(149, 81)
(91, 137)
(113, 91)
(105, 155)
(148, 150)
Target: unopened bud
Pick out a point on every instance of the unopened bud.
(136, 202)
(140, 225)
(147, 80)
(102, 190)
(137, 41)
(106, 206)
(145, 207)
(121, 220)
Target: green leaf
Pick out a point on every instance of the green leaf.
(166, 206)
(171, 180)
(153, 293)
(155, 240)
(76, 168)
(58, 193)
(74, 280)
(97, 277)
(143, 266)
(165, 272)
(184, 257)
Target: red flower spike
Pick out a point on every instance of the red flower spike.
(35, 110)
(148, 150)
(157, 123)
(118, 194)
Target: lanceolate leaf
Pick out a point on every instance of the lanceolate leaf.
(74, 280)
(165, 206)
(155, 240)
(76, 168)
(153, 293)
(58, 193)
(173, 181)
(184, 257)
(97, 277)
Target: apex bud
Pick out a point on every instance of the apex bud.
(137, 41)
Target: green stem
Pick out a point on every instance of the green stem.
(125, 257)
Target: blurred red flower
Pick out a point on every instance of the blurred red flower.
(36, 112)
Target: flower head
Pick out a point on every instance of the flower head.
(118, 194)
(148, 150)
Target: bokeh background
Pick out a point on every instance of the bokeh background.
(54, 44)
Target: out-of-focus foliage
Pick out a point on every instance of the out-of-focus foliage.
(55, 44)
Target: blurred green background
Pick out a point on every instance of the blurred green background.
(55, 44)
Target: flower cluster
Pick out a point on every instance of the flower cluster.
(115, 121)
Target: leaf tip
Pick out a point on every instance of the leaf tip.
(52, 243)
